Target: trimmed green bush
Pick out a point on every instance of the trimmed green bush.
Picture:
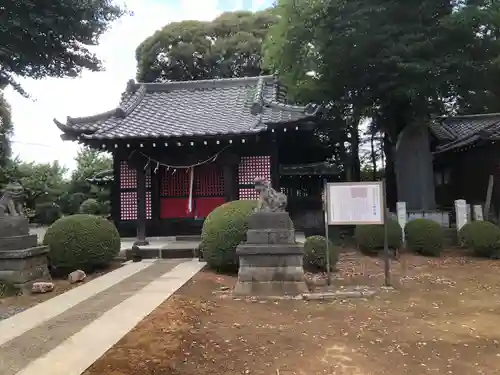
(82, 241)
(223, 230)
(47, 213)
(315, 253)
(482, 237)
(424, 236)
(370, 238)
(90, 207)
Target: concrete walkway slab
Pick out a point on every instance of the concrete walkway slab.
(22, 350)
(29, 319)
(82, 349)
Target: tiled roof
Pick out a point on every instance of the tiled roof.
(459, 131)
(102, 178)
(192, 108)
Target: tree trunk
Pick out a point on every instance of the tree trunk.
(373, 156)
(355, 162)
(344, 160)
(390, 173)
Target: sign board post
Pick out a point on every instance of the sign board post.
(327, 250)
(387, 254)
(357, 203)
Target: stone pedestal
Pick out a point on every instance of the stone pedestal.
(22, 261)
(270, 259)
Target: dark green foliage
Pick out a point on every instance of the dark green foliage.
(105, 208)
(82, 242)
(39, 40)
(424, 236)
(482, 238)
(90, 206)
(8, 289)
(399, 63)
(89, 163)
(47, 213)
(229, 46)
(223, 230)
(370, 238)
(450, 237)
(315, 253)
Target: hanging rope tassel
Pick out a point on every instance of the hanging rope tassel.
(191, 183)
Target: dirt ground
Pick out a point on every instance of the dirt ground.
(442, 318)
(11, 305)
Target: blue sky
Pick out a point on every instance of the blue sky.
(36, 138)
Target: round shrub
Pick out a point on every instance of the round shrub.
(82, 241)
(424, 236)
(223, 230)
(90, 207)
(482, 237)
(370, 238)
(47, 213)
(315, 253)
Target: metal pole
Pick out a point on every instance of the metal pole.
(387, 255)
(327, 250)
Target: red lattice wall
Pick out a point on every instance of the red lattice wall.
(251, 167)
(128, 192)
(208, 192)
(208, 181)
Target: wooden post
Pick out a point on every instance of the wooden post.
(141, 207)
(275, 164)
(230, 182)
(489, 193)
(155, 198)
(115, 192)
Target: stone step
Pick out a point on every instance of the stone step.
(18, 242)
(163, 253)
(269, 249)
(22, 267)
(188, 238)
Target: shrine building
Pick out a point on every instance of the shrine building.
(181, 149)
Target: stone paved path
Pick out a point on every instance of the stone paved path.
(66, 334)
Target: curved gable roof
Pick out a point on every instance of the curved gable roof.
(192, 108)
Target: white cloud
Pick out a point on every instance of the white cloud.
(36, 138)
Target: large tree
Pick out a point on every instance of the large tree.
(397, 62)
(40, 39)
(228, 46)
(6, 129)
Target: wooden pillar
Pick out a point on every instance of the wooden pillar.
(115, 192)
(275, 164)
(230, 182)
(155, 201)
(141, 207)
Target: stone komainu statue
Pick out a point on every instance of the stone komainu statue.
(269, 199)
(11, 202)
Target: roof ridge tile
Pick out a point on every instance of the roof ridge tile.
(192, 108)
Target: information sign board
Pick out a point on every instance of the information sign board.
(355, 203)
